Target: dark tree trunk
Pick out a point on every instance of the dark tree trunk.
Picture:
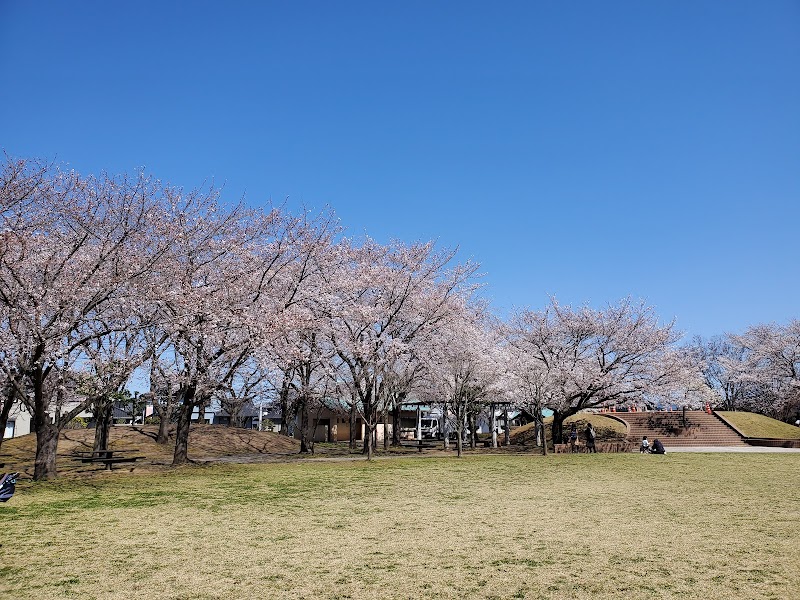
(396, 425)
(385, 427)
(103, 416)
(181, 455)
(368, 439)
(46, 448)
(284, 401)
(304, 427)
(46, 430)
(201, 412)
(558, 427)
(473, 437)
(353, 427)
(163, 427)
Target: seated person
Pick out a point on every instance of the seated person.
(658, 448)
(645, 447)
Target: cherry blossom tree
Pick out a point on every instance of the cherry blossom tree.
(106, 366)
(248, 386)
(467, 366)
(74, 250)
(299, 353)
(595, 357)
(770, 368)
(223, 262)
(533, 380)
(719, 359)
(385, 297)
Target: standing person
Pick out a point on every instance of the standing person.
(645, 447)
(590, 435)
(573, 437)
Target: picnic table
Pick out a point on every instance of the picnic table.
(420, 444)
(108, 457)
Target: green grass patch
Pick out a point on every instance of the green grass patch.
(758, 426)
(492, 526)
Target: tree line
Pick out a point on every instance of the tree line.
(105, 276)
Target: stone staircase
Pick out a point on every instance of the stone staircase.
(701, 429)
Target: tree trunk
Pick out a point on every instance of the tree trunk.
(201, 412)
(473, 435)
(368, 440)
(353, 426)
(164, 413)
(46, 430)
(46, 448)
(181, 455)
(163, 429)
(558, 427)
(493, 425)
(385, 428)
(102, 429)
(396, 425)
(303, 410)
(284, 400)
(460, 442)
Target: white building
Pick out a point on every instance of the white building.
(19, 422)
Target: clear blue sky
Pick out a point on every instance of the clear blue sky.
(589, 150)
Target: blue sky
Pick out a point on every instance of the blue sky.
(587, 150)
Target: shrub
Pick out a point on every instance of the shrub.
(78, 423)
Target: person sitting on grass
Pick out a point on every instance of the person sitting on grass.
(645, 447)
(658, 447)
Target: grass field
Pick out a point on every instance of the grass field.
(500, 526)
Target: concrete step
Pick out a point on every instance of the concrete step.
(701, 428)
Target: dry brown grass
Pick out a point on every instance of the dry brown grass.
(205, 442)
(629, 526)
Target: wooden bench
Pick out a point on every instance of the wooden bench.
(107, 457)
(420, 444)
(108, 462)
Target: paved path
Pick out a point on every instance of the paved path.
(284, 458)
(731, 449)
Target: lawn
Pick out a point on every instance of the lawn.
(493, 526)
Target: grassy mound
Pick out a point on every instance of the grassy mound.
(758, 426)
(607, 429)
(205, 441)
